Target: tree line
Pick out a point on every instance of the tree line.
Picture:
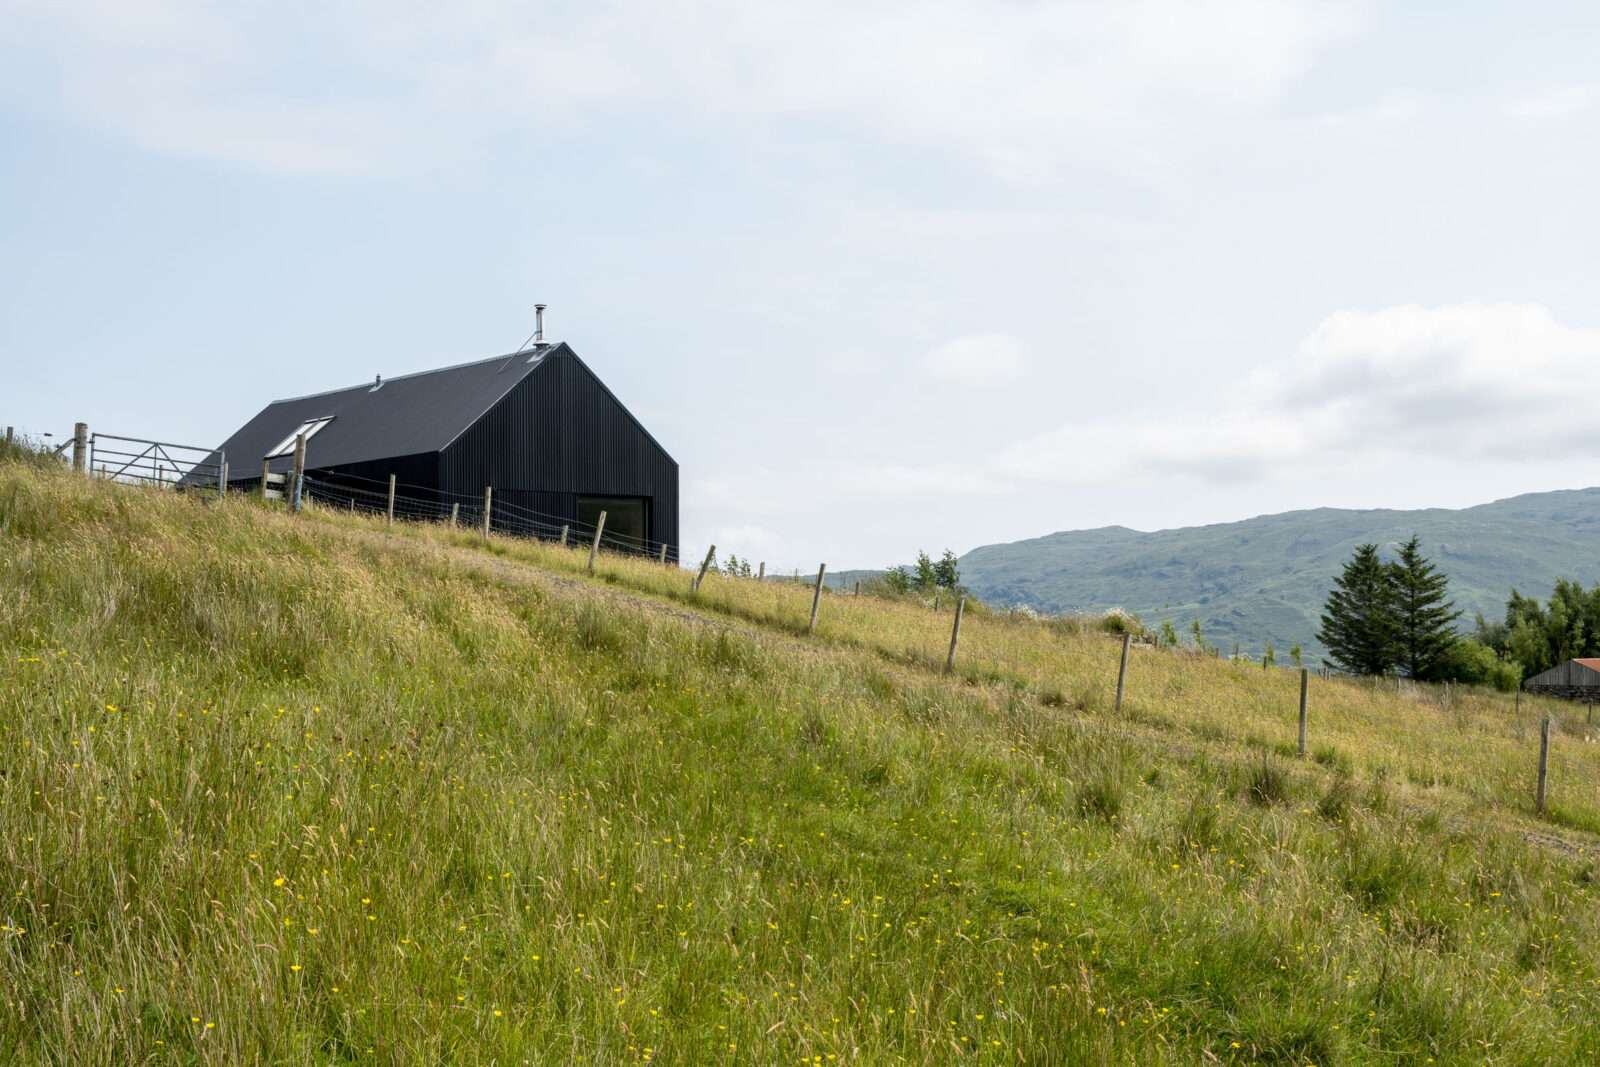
(926, 576)
(1540, 636)
(1396, 617)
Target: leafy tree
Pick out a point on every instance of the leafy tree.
(947, 573)
(1297, 655)
(1423, 616)
(896, 580)
(1358, 619)
(1539, 636)
(926, 577)
(1475, 663)
(1169, 635)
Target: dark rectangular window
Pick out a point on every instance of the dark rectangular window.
(627, 519)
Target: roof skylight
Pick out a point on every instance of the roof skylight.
(309, 428)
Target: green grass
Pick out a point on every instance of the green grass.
(279, 789)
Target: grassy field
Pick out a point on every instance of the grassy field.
(304, 790)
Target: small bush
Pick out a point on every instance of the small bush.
(1117, 621)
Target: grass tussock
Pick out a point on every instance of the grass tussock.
(1268, 782)
(300, 790)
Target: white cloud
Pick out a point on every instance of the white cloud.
(1487, 382)
(989, 359)
(1496, 381)
(360, 85)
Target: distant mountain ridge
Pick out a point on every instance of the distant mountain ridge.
(1267, 577)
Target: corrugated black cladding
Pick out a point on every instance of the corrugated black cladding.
(561, 434)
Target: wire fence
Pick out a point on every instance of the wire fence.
(506, 518)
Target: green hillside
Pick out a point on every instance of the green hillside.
(312, 790)
(1266, 578)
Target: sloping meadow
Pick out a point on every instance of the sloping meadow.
(1459, 746)
(300, 790)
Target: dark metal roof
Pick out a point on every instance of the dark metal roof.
(408, 415)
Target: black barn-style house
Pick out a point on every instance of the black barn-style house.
(538, 426)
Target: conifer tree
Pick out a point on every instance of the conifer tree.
(1424, 617)
(1358, 619)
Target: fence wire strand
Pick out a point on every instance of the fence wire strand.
(506, 518)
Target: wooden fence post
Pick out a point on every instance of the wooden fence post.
(1544, 764)
(663, 553)
(266, 472)
(955, 636)
(936, 600)
(455, 514)
(816, 599)
(222, 479)
(299, 467)
(10, 434)
(80, 447)
(1305, 682)
(564, 528)
(704, 566)
(391, 500)
(858, 589)
(1122, 669)
(761, 575)
(488, 504)
(594, 548)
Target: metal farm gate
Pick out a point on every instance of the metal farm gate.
(157, 463)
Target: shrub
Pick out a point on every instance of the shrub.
(1169, 635)
(1474, 663)
(1118, 621)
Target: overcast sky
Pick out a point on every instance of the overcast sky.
(880, 276)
